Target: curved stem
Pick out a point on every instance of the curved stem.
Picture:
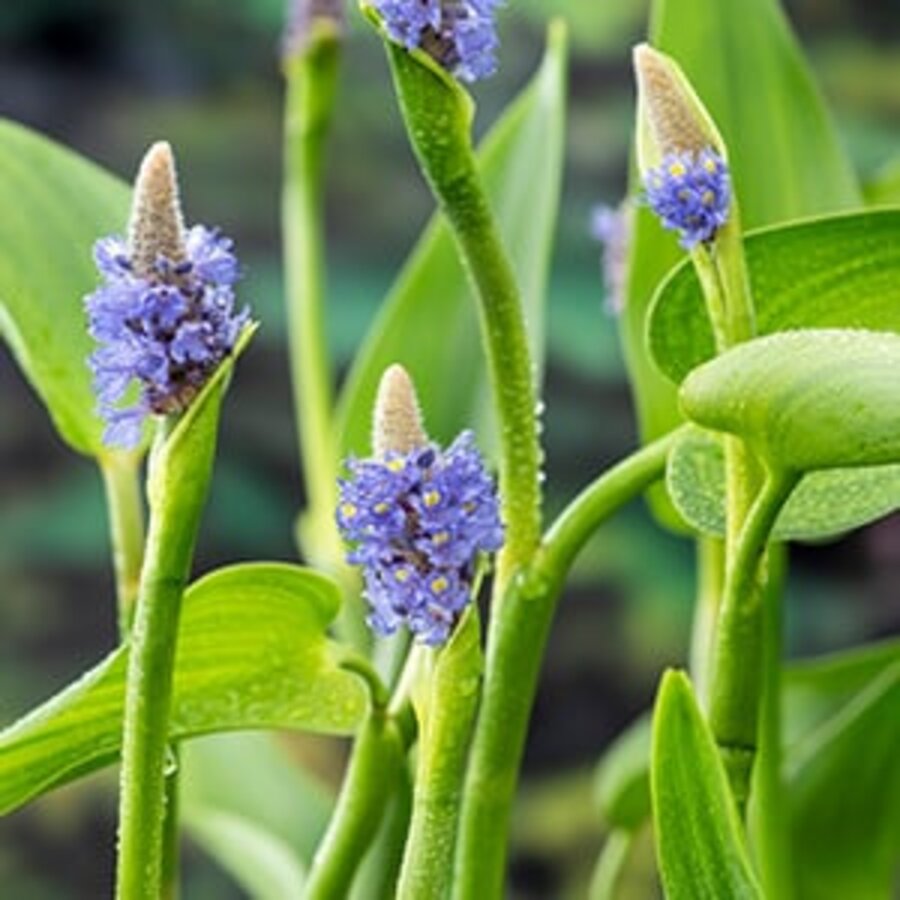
(438, 119)
(710, 579)
(737, 679)
(514, 658)
(124, 502)
(371, 774)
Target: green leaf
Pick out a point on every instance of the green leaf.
(884, 188)
(783, 151)
(621, 783)
(263, 831)
(55, 205)
(698, 834)
(824, 505)
(805, 400)
(429, 321)
(835, 272)
(844, 787)
(252, 653)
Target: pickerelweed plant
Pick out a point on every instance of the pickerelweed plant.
(765, 367)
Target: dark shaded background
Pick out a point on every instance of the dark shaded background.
(110, 77)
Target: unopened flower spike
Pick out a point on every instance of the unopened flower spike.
(417, 517)
(302, 17)
(680, 152)
(461, 35)
(164, 313)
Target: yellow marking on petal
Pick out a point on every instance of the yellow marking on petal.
(348, 510)
(397, 465)
(402, 575)
(439, 585)
(381, 508)
(432, 498)
(440, 538)
(708, 198)
(677, 169)
(711, 166)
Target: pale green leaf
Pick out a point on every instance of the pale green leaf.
(824, 504)
(252, 653)
(699, 843)
(55, 205)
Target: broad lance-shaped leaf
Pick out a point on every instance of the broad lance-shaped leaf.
(55, 205)
(699, 844)
(805, 400)
(824, 504)
(834, 272)
(429, 322)
(252, 654)
(844, 788)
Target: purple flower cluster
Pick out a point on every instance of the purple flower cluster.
(418, 522)
(459, 34)
(168, 331)
(691, 194)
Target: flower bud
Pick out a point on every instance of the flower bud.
(397, 422)
(302, 18)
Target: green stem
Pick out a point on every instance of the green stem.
(178, 482)
(768, 819)
(438, 120)
(513, 665)
(611, 864)
(710, 579)
(447, 717)
(372, 772)
(171, 827)
(311, 82)
(737, 681)
(124, 502)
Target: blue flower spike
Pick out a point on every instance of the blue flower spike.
(303, 16)
(418, 519)
(460, 35)
(163, 315)
(691, 194)
(681, 154)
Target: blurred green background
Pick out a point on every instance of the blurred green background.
(108, 78)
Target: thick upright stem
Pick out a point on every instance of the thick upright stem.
(311, 81)
(178, 483)
(710, 581)
(512, 670)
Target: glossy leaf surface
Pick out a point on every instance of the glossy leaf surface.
(805, 400)
(841, 271)
(824, 504)
(698, 834)
(252, 653)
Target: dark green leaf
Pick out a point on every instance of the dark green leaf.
(698, 834)
(825, 504)
(805, 400)
(837, 272)
(252, 653)
(429, 322)
(55, 205)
